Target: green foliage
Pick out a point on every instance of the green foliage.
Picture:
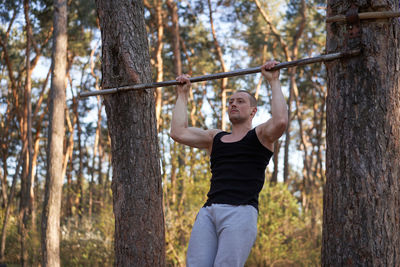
(13, 248)
(282, 231)
(13, 242)
(85, 242)
(88, 242)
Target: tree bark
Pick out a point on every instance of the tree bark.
(159, 59)
(274, 177)
(136, 185)
(361, 222)
(173, 9)
(26, 203)
(178, 152)
(94, 156)
(79, 179)
(224, 81)
(8, 209)
(66, 162)
(287, 134)
(54, 179)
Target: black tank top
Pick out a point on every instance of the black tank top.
(238, 170)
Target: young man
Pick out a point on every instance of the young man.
(226, 226)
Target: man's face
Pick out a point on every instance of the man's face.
(239, 108)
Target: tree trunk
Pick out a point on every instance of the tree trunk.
(79, 179)
(94, 156)
(54, 179)
(361, 196)
(26, 203)
(292, 73)
(224, 81)
(68, 163)
(173, 9)
(69, 189)
(159, 59)
(136, 185)
(3, 178)
(178, 151)
(8, 209)
(274, 177)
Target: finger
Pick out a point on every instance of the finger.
(271, 64)
(268, 66)
(183, 80)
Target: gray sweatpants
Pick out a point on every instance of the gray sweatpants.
(222, 235)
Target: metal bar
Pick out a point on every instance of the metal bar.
(300, 62)
(366, 15)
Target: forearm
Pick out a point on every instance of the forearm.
(179, 115)
(278, 106)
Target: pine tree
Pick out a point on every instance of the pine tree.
(136, 185)
(54, 180)
(361, 197)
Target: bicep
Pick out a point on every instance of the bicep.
(196, 137)
(271, 131)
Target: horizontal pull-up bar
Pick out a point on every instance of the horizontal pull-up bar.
(366, 15)
(300, 62)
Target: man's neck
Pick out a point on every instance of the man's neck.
(241, 129)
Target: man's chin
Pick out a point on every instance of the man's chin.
(235, 120)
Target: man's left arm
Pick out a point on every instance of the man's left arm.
(271, 130)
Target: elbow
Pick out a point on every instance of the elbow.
(175, 135)
(282, 124)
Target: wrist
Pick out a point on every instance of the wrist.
(274, 82)
(183, 95)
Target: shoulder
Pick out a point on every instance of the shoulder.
(263, 137)
(212, 133)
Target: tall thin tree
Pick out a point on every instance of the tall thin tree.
(224, 81)
(54, 180)
(26, 203)
(136, 185)
(361, 196)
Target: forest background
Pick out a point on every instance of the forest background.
(195, 37)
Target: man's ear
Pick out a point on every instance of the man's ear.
(253, 113)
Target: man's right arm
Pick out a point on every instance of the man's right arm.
(180, 132)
